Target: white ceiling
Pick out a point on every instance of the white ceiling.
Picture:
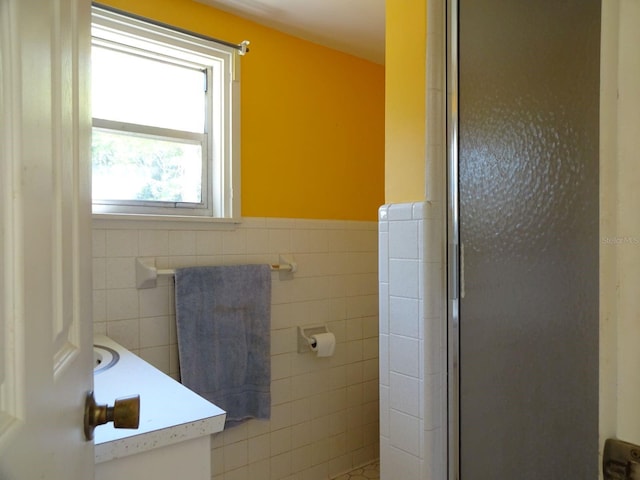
(351, 26)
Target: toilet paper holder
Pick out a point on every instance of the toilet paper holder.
(305, 342)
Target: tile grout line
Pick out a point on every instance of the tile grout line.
(370, 471)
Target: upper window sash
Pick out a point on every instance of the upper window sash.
(150, 90)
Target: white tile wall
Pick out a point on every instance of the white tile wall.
(412, 342)
(324, 410)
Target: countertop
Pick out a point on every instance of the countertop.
(169, 412)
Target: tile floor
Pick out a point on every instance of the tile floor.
(368, 472)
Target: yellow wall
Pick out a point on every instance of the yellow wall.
(312, 118)
(406, 42)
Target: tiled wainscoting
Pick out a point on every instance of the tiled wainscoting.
(412, 343)
(325, 410)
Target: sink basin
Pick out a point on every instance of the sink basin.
(104, 358)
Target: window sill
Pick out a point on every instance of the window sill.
(167, 222)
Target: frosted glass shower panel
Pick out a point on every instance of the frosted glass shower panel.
(529, 86)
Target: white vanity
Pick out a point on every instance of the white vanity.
(173, 438)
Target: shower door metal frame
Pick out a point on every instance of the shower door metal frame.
(453, 244)
(456, 249)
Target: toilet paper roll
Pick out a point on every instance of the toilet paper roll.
(323, 344)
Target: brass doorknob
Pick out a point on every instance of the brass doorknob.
(125, 413)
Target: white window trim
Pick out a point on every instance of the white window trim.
(223, 175)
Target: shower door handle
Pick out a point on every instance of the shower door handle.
(456, 271)
(461, 259)
(453, 271)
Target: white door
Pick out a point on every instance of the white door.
(45, 232)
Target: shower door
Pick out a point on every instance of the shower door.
(528, 223)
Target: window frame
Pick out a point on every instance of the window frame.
(221, 138)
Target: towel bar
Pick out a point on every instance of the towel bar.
(147, 273)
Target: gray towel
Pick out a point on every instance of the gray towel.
(223, 315)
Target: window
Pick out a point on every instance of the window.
(165, 120)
